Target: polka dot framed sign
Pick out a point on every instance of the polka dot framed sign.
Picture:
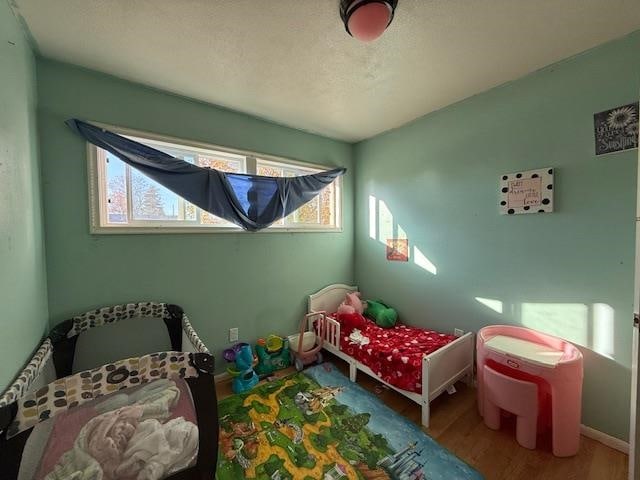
(527, 192)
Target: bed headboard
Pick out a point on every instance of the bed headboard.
(329, 298)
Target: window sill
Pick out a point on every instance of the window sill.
(126, 230)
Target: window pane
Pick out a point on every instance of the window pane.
(186, 211)
(128, 197)
(327, 208)
(318, 212)
(150, 200)
(207, 219)
(224, 165)
(190, 211)
(116, 188)
(269, 171)
(154, 202)
(308, 213)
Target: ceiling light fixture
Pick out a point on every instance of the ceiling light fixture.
(366, 20)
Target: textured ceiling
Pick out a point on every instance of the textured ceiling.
(290, 61)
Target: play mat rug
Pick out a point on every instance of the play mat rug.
(318, 425)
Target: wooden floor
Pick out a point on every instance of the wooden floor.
(456, 425)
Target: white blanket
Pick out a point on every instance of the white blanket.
(356, 338)
(157, 450)
(131, 442)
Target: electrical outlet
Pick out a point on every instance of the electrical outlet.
(458, 332)
(233, 334)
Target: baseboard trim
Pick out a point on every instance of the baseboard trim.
(605, 439)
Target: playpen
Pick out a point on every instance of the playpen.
(151, 373)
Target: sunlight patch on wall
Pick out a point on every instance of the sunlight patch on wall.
(423, 262)
(492, 303)
(564, 320)
(401, 233)
(591, 326)
(385, 222)
(383, 227)
(603, 329)
(373, 217)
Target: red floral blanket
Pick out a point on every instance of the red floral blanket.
(394, 354)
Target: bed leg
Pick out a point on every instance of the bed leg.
(425, 413)
(353, 372)
(469, 379)
(425, 391)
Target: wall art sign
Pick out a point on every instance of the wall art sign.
(616, 130)
(398, 250)
(529, 191)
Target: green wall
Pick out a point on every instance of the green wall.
(23, 289)
(569, 272)
(257, 282)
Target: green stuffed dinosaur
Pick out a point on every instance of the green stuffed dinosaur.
(382, 314)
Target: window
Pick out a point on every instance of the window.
(125, 201)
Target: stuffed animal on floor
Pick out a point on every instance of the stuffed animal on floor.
(382, 314)
(351, 304)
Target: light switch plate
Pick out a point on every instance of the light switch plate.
(233, 334)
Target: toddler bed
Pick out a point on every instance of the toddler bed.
(417, 363)
(147, 417)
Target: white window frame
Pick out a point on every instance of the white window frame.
(97, 191)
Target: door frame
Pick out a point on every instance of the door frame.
(634, 429)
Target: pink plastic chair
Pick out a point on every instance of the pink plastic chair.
(515, 396)
(564, 380)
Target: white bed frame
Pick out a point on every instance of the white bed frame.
(440, 369)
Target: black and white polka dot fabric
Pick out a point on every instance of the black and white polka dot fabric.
(95, 318)
(192, 336)
(26, 378)
(74, 390)
(116, 313)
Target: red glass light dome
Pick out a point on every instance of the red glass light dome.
(367, 20)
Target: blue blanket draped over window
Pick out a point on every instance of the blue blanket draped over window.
(252, 202)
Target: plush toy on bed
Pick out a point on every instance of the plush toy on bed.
(382, 314)
(350, 322)
(351, 304)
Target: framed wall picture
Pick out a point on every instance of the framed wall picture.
(398, 250)
(616, 130)
(528, 191)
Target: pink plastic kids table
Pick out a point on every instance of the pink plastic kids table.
(552, 363)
